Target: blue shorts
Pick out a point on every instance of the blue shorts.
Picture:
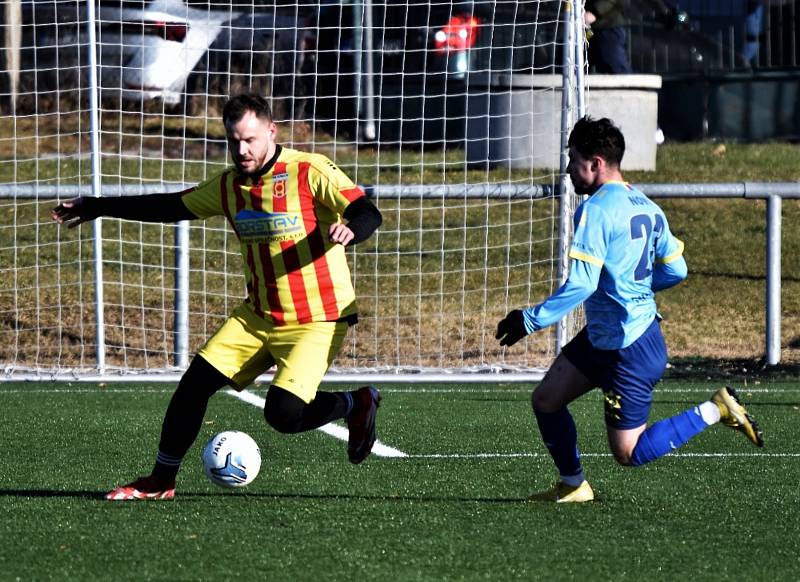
(626, 376)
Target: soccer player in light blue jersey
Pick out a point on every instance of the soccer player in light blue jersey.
(622, 253)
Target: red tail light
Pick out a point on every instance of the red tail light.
(174, 31)
(457, 35)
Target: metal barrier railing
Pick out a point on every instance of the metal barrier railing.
(772, 192)
(667, 36)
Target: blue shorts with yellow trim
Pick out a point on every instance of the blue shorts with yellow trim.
(247, 345)
(626, 376)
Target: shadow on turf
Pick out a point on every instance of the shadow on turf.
(734, 372)
(51, 493)
(198, 495)
(347, 497)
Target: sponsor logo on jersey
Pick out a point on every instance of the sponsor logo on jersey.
(258, 227)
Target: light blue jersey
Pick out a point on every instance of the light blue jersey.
(622, 251)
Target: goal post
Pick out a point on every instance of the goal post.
(400, 95)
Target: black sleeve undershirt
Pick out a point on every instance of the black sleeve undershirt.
(363, 218)
(147, 208)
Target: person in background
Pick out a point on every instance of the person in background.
(753, 28)
(608, 52)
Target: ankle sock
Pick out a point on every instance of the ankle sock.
(166, 466)
(573, 480)
(710, 412)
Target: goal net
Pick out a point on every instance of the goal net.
(449, 115)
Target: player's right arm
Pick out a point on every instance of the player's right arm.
(167, 207)
(581, 283)
(593, 230)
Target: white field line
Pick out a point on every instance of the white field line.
(334, 430)
(454, 390)
(386, 451)
(547, 455)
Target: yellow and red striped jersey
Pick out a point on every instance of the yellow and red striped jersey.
(281, 218)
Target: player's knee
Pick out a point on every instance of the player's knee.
(283, 411)
(281, 421)
(541, 402)
(624, 460)
(623, 457)
(284, 421)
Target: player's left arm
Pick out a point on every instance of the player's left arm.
(333, 188)
(363, 219)
(670, 267)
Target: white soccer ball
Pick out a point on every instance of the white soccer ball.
(231, 459)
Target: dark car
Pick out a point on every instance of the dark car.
(424, 54)
(420, 59)
(664, 39)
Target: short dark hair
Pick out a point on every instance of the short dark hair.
(240, 104)
(598, 137)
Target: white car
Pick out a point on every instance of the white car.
(167, 50)
(150, 53)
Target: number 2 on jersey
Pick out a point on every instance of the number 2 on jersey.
(642, 227)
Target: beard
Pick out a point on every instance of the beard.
(253, 170)
(582, 189)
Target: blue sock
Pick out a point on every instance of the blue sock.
(667, 435)
(348, 399)
(561, 439)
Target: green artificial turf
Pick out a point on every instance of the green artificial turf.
(453, 508)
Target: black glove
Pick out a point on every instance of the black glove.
(77, 211)
(511, 329)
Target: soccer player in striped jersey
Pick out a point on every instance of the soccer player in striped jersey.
(293, 214)
(622, 253)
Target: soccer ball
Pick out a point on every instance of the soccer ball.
(231, 459)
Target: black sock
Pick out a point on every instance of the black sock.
(184, 416)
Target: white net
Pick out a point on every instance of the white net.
(447, 113)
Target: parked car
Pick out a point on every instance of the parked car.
(665, 39)
(166, 50)
(422, 56)
(425, 56)
(421, 59)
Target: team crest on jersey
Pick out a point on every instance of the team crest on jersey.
(259, 227)
(279, 183)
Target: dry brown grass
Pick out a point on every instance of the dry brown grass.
(432, 284)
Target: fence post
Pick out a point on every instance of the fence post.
(181, 339)
(369, 130)
(94, 130)
(773, 299)
(565, 192)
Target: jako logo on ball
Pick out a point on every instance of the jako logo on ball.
(231, 459)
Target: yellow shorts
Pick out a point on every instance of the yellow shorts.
(246, 346)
